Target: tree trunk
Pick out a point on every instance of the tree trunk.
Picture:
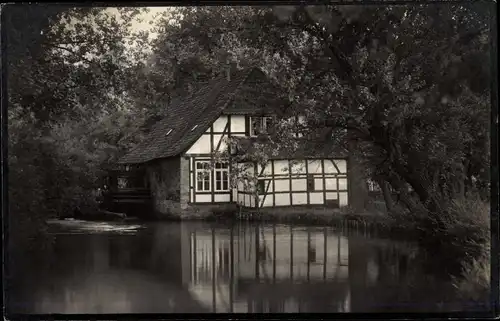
(387, 196)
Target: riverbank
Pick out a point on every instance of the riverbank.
(463, 238)
(374, 221)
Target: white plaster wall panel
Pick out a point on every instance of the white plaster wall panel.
(299, 184)
(237, 123)
(342, 165)
(201, 146)
(315, 271)
(298, 167)
(218, 198)
(235, 193)
(342, 183)
(280, 167)
(222, 140)
(316, 198)
(282, 185)
(318, 184)
(191, 195)
(282, 199)
(268, 201)
(331, 183)
(203, 198)
(220, 123)
(252, 201)
(282, 271)
(329, 167)
(192, 182)
(240, 185)
(261, 199)
(248, 168)
(237, 135)
(343, 199)
(314, 167)
(282, 246)
(267, 169)
(269, 186)
(331, 196)
(299, 198)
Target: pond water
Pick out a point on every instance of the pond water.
(242, 268)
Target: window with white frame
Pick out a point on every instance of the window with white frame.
(260, 125)
(203, 176)
(221, 172)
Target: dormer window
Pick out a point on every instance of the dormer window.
(168, 132)
(260, 125)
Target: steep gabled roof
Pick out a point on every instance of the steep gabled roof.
(174, 134)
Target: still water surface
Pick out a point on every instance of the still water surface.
(201, 267)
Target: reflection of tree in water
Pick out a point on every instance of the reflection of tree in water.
(403, 284)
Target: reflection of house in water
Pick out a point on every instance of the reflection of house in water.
(270, 269)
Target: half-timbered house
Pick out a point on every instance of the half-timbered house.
(183, 172)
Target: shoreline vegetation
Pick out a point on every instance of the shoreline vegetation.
(72, 115)
(465, 237)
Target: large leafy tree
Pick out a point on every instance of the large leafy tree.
(407, 82)
(68, 111)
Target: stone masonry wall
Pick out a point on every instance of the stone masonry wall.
(164, 178)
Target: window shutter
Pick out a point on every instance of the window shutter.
(247, 126)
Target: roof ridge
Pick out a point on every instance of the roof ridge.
(246, 72)
(198, 108)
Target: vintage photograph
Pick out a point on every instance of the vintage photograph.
(263, 158)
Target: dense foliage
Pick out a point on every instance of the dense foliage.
(410, 84)
(69, 115)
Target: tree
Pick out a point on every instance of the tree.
(68, 108)
(402, 81)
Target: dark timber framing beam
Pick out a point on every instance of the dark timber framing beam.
(212, 183)
(290, 181)
(274, 183)
(324, 181)
(191, 184)
(214, 292)
(335, 165)
(324, 251)
(308, 254)
(225, 132)
(291, 252)
(256, 187)
(265, 193)
(230, 163)
(307, 183)
(195, 261)
(274, 253)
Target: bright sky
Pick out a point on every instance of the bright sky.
(147, 22)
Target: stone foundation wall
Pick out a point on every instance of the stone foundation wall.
(164, 182)
(178, 210)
